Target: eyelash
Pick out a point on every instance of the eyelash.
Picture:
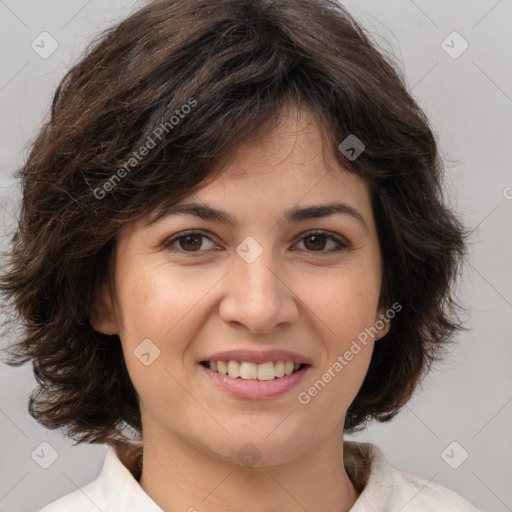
(167, 244)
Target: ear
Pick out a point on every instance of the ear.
(102, 316)
(382, 324)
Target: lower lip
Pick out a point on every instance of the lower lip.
(256, 389)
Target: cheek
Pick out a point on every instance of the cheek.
(158, 312)
(344, 303)
(156, 298)
(166, 307)
(345, 313)
(343, 378)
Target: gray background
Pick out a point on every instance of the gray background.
(469, 101)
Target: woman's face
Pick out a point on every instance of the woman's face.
(262, 283)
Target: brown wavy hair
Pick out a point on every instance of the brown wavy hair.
(241, 62)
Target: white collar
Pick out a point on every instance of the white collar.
(383, 487)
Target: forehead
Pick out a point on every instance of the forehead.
(273, 175)
(296, 140)
(291, 164)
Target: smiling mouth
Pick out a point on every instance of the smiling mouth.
(251, 371)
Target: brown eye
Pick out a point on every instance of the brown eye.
(317, 242)
(190, 242)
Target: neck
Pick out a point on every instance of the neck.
(180, 476)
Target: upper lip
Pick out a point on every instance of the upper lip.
(257, 357)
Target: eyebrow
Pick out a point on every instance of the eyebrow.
(293, 215)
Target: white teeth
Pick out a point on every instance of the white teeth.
(279, 368)
(222, 367)
(266, 371)
(253, 371)
(234, 369)
(248, 370)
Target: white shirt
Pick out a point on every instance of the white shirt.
(382, 488)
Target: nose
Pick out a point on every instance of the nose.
(258, 295)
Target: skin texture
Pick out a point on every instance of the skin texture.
(297, 295)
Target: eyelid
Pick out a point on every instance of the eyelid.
(342, 243)
(169, 242)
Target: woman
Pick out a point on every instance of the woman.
(233, 242)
